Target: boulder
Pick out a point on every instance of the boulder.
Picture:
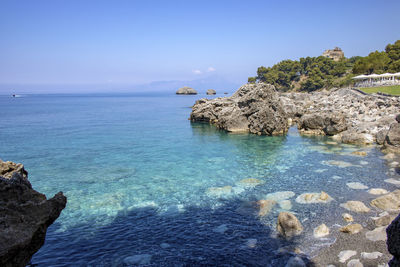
(254, 108)
(393, 241)
(211, 92)
(186, 90)
(388, 202)
(322, 123)
(392, 139)
(351, 228)
(288, 225)
(25, 215)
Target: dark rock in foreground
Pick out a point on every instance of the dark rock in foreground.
(186, 90)
(254, 108)
(211, 92)
(393, 241)
(25, 215)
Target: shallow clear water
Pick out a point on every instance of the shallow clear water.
(138, 174)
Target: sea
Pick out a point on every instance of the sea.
(146, 186)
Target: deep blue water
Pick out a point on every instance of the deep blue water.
(141, 179)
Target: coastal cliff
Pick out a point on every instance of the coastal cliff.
(254, 108)
(25, 215)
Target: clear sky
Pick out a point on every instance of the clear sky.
(134, 42)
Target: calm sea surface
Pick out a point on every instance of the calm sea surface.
(142, 180)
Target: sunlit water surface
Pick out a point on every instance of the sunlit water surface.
(141, 179)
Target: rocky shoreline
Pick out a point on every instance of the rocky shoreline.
(348, 116)
(25, 215)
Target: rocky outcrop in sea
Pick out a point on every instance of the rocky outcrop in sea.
(186, 90)
(254, 108)
(25, 215)
(211, 92)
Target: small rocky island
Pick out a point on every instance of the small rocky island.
(186, 90)
(211, 92)
(25, 215)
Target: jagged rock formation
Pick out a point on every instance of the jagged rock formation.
(25, 215)
(211, 92)
(186, 90)
(336, 54)
(349, 115)
(254, 108)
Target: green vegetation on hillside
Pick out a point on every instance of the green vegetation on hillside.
(313, 73)
(392, 90)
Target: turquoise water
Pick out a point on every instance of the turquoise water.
(140, 179)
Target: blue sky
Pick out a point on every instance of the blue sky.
(135, 42)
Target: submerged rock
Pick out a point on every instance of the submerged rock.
(345, 255)
(295, 261)
(281, 195)
(265, 206)
(356, 206)
(250, 182)
(347, 217)
(356, 185)
(142, 259)
(25, 215)
(351, 228)
(321, 231)
(288, 225)
(308, 198)
(378, 234)
(219, 192)
(359, 153)
(377, 191)
(254, 108)
(186, 90)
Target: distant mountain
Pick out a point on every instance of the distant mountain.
(200, 85)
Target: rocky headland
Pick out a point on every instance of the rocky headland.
(347, 115)
(25, 215)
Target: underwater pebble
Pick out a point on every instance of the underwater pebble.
(141, 259)
(378, 234)
(392, 181)
(346, 254)
(377, 191)
(371, 255)
(321, 231)
(295, 262)
(221, 229)
(165, 245)
(354, 263)
(356, 185)
(282, 195)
